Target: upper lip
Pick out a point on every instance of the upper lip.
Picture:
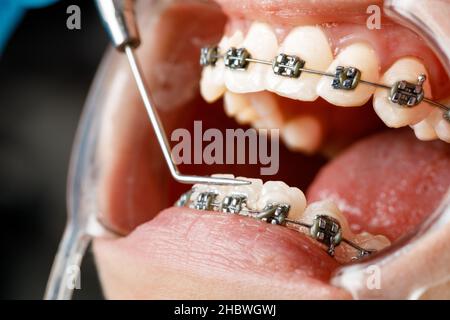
(295, 12)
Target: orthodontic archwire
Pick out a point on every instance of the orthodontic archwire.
(404, 93)
(119, 19)
(324, 229)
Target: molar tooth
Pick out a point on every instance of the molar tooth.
(280, 192)
(311, 45)
(358, 55)
(212, 83)
(304, 133)
(262, 43)
(392, 114)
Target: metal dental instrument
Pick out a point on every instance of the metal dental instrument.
(403, 93)
(324, 229)
(119, 19)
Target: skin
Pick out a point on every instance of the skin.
(179, 253)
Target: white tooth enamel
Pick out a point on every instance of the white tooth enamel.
(434, 126)
(266, 107)
(234, 103)
(358, 55)
(329, 208)
(345, 253)
(311, 45)
(258, 109)
(251, 191)
(222, 191)
(424, 130)
(368, 241)
(303, 134)
(392, 114)
(442, 127)
(212, 82)
(280, 192)
(246, 116)
(262, 43)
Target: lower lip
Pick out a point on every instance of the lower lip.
(192, 250)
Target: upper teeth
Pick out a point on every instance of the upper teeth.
(311, 45)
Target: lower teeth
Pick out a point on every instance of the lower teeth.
(321, 221)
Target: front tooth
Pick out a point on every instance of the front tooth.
(311, 45)
(251, 191)
(212, 84)
(358, 55)
(266, 107)
(258, 109)
(279, 192)
(239, 106)
(233, 103)
(262, 43)
(221, 191)
(424, 130)
(304, 133)
(442, 127)
(392, 114)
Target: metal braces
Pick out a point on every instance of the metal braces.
(325, 229)
(403, 93)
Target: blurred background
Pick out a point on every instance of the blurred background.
(45, 74)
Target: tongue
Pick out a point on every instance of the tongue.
(387, 183)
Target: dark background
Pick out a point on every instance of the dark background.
(45, 74)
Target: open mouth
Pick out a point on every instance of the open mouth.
(347, 150)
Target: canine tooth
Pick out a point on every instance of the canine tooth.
(280, 192)
(251, 191)
(392, 114)
(362, 57)
(262, 43)
(212, 83)
(311, 45)
(303, 133)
